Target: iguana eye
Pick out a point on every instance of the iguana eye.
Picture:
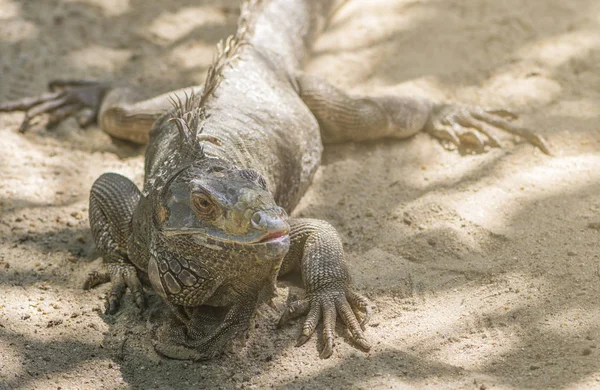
(203, 205)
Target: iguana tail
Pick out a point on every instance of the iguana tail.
(286, 29)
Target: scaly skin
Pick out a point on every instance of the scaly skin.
(225, 164)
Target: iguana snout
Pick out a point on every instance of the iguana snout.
(273, 222)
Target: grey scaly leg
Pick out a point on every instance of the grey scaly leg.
(194, 335)
(123, 112)
(317, 250)
(360, 118)
(113, 199)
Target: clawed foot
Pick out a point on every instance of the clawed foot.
(199, 335)
(172, 340)
(475, 126)
(65, 99)
(122, 276)
(327, 305)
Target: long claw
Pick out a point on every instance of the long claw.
(358, 304)
(47, 106)
(302, 339)
(500, 123)
(114, 300)
(61, 113)
(329, 317)
(362, 343)
(327, 350)
(294, 310)
(66, 98)
(472, 138)
(95, 278)
(28, 102)
(444, 133)
(463, 119)
(504, 113)
(349, 318)
(24, 125)
(86, 118)
(123, 276)
(485, 129)
(138, 293)
(541, 143)
(310, 324)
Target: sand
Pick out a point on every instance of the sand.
(484, 267)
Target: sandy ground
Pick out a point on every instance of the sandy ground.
(484, 268)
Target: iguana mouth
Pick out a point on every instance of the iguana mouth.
(269, 237)
(274, 236)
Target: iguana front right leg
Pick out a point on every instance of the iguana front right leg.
(113, 199)
(362, 118)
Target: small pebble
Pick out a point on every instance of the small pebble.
(52, 323)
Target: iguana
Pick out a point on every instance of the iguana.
(226, 163)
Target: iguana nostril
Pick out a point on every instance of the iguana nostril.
(259, 220)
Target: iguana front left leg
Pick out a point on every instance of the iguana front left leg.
(317, 250)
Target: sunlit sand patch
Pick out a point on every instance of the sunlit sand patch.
(580, 108)
(15, 30)
(475, 352)
(557, 50)
(170, 27)
(47, 311)
(193, 55)
(379, 19)
(106, 375)
(9, 9)
(539, 60)
(28, 165)
(464, 327)
(297, 366)
(573, 321)
(533, 183)
(539, 90)
(369, 31)
(417, 381)
(109, 7)
(591, 382)
(100, 57)
(18, 169)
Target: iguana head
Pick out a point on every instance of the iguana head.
(221, 205)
